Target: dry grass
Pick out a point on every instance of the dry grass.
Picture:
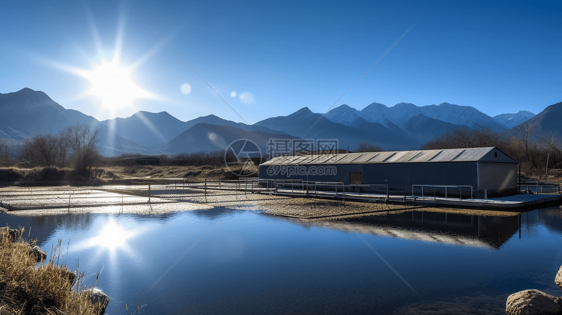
(192, 173)
(114, 175)
(45, 289)
(37, 174)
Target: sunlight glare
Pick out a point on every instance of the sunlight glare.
(113, 85)
(111, 237)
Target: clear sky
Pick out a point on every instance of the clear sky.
(498, 56)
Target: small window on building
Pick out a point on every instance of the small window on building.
(354, 178)
(495, 154)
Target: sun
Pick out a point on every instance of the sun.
(113, 85)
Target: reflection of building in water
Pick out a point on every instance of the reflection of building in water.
(551, 218)
(440, 227)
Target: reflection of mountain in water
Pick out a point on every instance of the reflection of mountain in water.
(552, 219)
(212, 214)
(449, 228)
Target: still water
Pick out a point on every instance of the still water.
(238, 262)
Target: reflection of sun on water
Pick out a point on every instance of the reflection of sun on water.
(111, 237)
(110, 246)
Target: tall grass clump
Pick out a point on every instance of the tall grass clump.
(27, 287)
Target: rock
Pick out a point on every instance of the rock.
(38, 253)
(13, 233)
(69, 275)
(97, 296)
(558, 278)
(529, 302)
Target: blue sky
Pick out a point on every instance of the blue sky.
(498, 56)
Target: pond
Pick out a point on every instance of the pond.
(237, 262)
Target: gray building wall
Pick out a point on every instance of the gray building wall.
(404, 175)
(400, 176)
(497, 178)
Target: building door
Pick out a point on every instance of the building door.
(355, 178)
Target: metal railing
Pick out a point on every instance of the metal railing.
(540, 187)
(316, 188)
(447, 189)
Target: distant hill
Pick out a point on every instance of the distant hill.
(208, 137)
(151, 130)
(27, 112)
(403, 123)
(424, 129)
(155, 130)
(511, 120)
(401, 116)
(467, 116)
(215, 120)
(549, 121)
(399, 127)
(308, 125)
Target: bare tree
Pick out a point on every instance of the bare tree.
(4, 152)
(552, 142)
(526, 132)
(467, 138)
(62, 149)
(553, 146)
(41, 150)
(82, 140)
(367, 147)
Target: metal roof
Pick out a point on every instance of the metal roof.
(417, 156)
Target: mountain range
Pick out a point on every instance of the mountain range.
(400, 127)
(28, 112)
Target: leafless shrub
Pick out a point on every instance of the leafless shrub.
(82, 141)
(526, 133)
(45, 150)
(466, 138)
(367, 147)
(4, 153)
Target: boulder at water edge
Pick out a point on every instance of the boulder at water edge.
(534, 302)
(69, 275)
(558, 278)
(99, 297)
(37, 253)
(13, 233)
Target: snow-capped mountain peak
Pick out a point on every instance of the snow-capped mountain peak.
(343, 114)
(510, 120)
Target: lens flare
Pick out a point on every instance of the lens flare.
(247, 98)
(185, 88)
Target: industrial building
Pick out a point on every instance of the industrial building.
(488, 171)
